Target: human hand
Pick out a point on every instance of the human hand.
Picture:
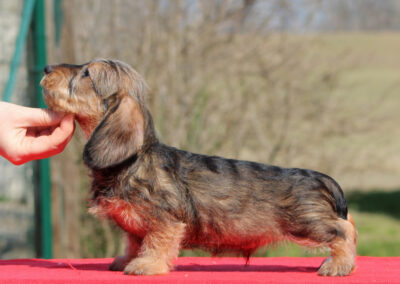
(32, 133)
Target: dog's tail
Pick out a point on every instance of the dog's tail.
(337, 193)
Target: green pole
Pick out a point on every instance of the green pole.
(39, 48)
(19, 47)
(58, 18)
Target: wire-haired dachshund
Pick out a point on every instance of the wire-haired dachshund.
(166, 199)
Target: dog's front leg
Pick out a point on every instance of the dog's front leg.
(159, 248)
(132, 250)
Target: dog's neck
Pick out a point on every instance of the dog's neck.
(88, 125)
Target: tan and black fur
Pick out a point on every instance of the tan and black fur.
(167, 199)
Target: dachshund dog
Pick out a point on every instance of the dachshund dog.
(166, 199)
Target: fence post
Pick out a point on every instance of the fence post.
(39, 58)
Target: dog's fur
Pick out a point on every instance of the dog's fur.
(166, 199)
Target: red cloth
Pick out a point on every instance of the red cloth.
(199, 270)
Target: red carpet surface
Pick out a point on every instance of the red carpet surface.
(199, 270)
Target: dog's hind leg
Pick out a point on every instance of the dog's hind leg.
(159, 248)
(341, 262)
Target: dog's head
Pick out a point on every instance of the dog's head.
(107, 99)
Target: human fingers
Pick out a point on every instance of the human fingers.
(34, 117)
(47, 144)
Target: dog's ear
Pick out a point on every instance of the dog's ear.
(118, 137)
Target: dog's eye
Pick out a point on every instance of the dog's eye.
(85, 73)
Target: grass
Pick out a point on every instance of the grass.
(4, 198)
(377, 216)
(378, 234)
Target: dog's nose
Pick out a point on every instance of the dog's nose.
(48, 69)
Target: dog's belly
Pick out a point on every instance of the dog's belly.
(229, 241)
(123, 213)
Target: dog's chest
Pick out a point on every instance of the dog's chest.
(124, 214)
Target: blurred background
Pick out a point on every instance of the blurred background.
(296, 83)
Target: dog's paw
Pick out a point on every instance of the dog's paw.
(330, 267)
(119, 263)
(146, 266)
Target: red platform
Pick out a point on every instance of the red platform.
(199, 270)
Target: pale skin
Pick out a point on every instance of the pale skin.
(32, 133)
